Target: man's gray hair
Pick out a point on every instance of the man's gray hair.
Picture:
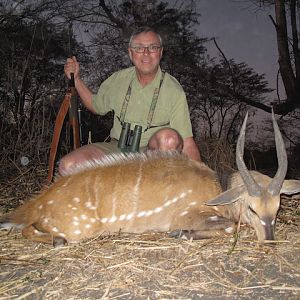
(145, 29)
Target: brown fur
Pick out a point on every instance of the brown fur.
(161, 192)
(158, 193)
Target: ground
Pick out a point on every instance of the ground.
(149, 266)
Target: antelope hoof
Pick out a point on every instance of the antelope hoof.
(59, 241)
(181, 234)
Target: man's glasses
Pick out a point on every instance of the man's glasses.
(150, 48)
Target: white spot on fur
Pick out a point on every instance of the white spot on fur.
(136, 188)
(214, 218)
(149, 213)
(69, 205)
(50, 202)
(74, 208)
(83, 217)
(141, 214)
(41, 206)
(129, 217)
(75, 218)
(37, 232)
(174, 200)
(46, 221)
(88, 204)
(158, 209)
(184, 213)
(75, 223)
(168, 203)
(103, 220)
(113, 219)
(189, 191)
(77, 232)
(229, 229)
(76, 199)
(93, 220)
(55, 229)
(182, 195)
(122, 217)
(263, 223)
(193, 203)
(88, 226)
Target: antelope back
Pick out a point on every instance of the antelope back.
(135, 194)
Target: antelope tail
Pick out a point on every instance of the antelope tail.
(21, 217)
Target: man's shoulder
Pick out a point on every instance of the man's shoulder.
(120, 78)
(123, 74)
(173, 83)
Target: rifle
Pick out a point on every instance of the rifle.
(69, 104)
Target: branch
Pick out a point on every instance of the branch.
(227, 62)
(282, 108)
(295, 39)
(274, 23)
(120, 24)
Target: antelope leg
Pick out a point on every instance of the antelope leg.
(30, 232)
(203, 226)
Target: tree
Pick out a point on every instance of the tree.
(44, 32)
(33, 51)
(289, 53)
(221, 110)
(287, 33)
(214, 91)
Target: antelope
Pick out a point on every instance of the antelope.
(158, 192)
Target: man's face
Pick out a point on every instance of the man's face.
(146, 62)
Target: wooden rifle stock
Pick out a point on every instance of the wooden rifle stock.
(69, 104)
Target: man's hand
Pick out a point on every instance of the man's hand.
(72, 66)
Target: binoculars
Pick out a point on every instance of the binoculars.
(129, 140)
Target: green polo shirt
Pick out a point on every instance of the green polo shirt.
(171, 109)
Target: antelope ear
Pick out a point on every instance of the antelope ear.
(290, 187)
(230, 196)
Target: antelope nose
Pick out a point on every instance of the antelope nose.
(269, 233)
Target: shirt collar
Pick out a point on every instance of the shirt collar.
(155, 82)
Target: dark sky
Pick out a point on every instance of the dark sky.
(243, 33)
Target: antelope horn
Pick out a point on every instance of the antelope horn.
(276, 184)
(253, 188)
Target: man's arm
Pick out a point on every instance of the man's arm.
(85, 94)
(191, 149)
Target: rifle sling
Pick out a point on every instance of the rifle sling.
(63, 110)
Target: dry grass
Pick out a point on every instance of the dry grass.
(151, 266)
(148, 266)
(218, 154)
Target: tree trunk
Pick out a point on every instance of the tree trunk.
(289, 75)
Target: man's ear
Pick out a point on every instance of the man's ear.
(130, 54)
(161, 52)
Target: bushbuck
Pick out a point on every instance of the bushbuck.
(159, 192)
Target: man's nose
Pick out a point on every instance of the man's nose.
(146, 50)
